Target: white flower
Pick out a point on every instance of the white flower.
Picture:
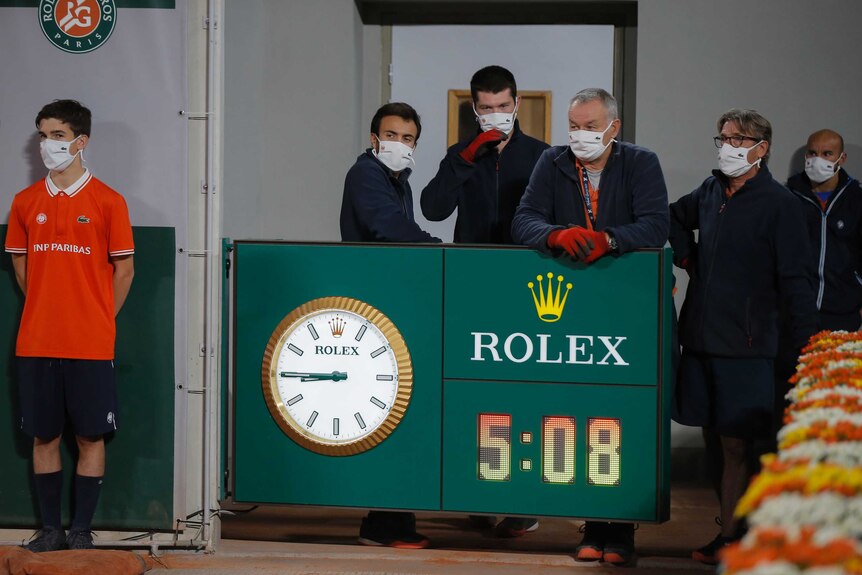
(846, 454)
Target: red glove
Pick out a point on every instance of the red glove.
(580, 243)
(481, 144)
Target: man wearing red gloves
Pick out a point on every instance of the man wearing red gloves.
(594, 197)
(485, 177)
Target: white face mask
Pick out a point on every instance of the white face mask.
(496, 121)
(394, 155)
(586, 145)
(733, 162)
(55, 154)
(820, 170)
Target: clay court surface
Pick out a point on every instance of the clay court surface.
(292, 541)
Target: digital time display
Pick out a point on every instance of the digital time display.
(559, 449)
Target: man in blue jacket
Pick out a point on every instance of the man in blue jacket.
(832, 203)
(484, 177)
(751, 259)
(378, 207)
(595, 197)
(378, 203)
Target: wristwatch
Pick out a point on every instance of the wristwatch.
(613, 247)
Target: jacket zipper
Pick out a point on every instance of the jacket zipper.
(748, 321)
(824, 215)
(712, 262)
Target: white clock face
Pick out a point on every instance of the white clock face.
(336, 376)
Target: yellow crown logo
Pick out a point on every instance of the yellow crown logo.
(549, 305)
(336, 326)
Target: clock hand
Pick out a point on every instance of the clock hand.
(309, 376)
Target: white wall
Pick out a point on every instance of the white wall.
(795, 61)
(427, 61)
(293, 86)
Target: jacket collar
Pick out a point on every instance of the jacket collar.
(763, 175)
(566, 160)
(802, 183)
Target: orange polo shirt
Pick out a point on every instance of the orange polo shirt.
(69, 237)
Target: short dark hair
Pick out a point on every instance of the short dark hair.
(400, 109)
(492, 79)
(71, 112)
(749, 122)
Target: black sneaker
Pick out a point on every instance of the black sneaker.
(592, 546)
(48, 539)
(80, 540)
(516, 526)
(708, 554)
(391, 529)
(619, 544)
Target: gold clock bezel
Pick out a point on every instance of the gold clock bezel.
(294, 429)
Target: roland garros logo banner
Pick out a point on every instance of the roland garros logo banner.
(77, 26)
(81, 26)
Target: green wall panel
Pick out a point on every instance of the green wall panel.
(489, 304)
(138, 488)
(479, 346)
(404, 284)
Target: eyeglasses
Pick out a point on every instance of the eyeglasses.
(735, 141)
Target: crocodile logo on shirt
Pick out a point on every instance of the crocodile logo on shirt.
(83, 220)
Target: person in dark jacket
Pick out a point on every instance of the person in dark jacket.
(595, 197)
(485, 177)
(750, 258)
(378, 207)
(832, 203)
(378, 203)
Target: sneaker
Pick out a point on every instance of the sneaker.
(592, 546)
(80, 540)
(48, 539)
(619, 544)
(516, 526)
(708, 554)
(391, 529)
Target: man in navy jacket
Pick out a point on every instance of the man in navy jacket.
(751, 259)
(484, 177)
(595, 197)
(832, 203)
(378, 203)
(378, 207)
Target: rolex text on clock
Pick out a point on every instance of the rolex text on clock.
(337, 376)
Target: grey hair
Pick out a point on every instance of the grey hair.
(749, 122)
(593, 94)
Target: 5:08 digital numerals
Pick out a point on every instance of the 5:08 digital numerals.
(559, 449)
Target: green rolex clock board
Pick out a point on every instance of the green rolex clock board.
(490, 380)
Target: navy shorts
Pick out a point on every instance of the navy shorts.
(732, 395)
(52, 390)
